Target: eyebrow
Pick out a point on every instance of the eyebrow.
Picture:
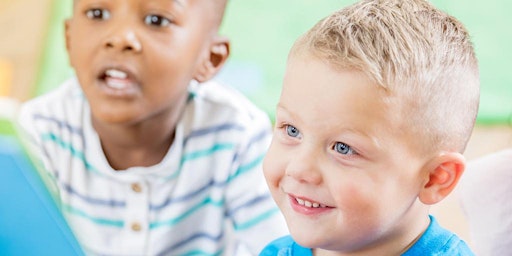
(281, 108)
(179, 2)
(374, 140)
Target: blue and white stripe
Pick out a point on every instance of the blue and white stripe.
(211, 176)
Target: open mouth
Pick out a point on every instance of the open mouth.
(117, 78)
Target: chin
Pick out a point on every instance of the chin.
(305, 238)
(113, 118)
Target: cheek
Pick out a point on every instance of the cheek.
(81, 56)
(353, 194)
(273, 167)
(174, 64)
(168, 80)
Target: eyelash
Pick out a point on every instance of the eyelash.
(347, 150)
(288, 128)
(162, 21)
(338, 147)
(97, 13)
(151, 19)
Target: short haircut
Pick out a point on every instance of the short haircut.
(422, 56)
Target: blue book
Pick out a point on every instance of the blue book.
(30, 220)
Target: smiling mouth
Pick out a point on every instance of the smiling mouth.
(310, 204)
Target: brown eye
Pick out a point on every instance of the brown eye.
(157, 20)
(97, 14)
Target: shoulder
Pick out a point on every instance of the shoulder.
(63, 99)
(484, 192)
(495, 167)
(222, 102)
(60, 110)
(487, 180)
(285, 246)
(217, 111)
(439, 241)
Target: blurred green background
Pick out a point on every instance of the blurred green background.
(262, 32)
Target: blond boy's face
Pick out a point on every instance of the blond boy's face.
(135, 58)
(338, 167)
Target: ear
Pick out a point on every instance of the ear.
(442, 175)
(67, 34)
(215, 58)
(67, 25)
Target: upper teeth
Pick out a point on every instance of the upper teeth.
(116, 73)
(309, 204)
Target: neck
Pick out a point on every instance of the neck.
(124, 148)
(404, 237)
(142, 144)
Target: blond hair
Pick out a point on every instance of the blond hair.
(422, 56)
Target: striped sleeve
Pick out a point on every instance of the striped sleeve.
(255, 217)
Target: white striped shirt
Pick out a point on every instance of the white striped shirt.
(210, 176)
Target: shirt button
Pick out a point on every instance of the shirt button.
(136, 227)
(136, 187)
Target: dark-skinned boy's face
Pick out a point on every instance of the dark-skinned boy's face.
(135, 58)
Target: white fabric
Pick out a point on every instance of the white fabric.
(485, 190)
(210, 176)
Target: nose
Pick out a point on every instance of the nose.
(304, 166)
(124, 39)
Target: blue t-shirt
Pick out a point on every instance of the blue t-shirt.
(435, 241)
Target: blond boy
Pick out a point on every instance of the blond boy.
(378, 102)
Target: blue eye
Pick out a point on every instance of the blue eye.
(156, 20)
(292, 131)
(343, 148)
(97, 14)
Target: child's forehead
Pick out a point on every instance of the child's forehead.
(210, 9)
(220, 4)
